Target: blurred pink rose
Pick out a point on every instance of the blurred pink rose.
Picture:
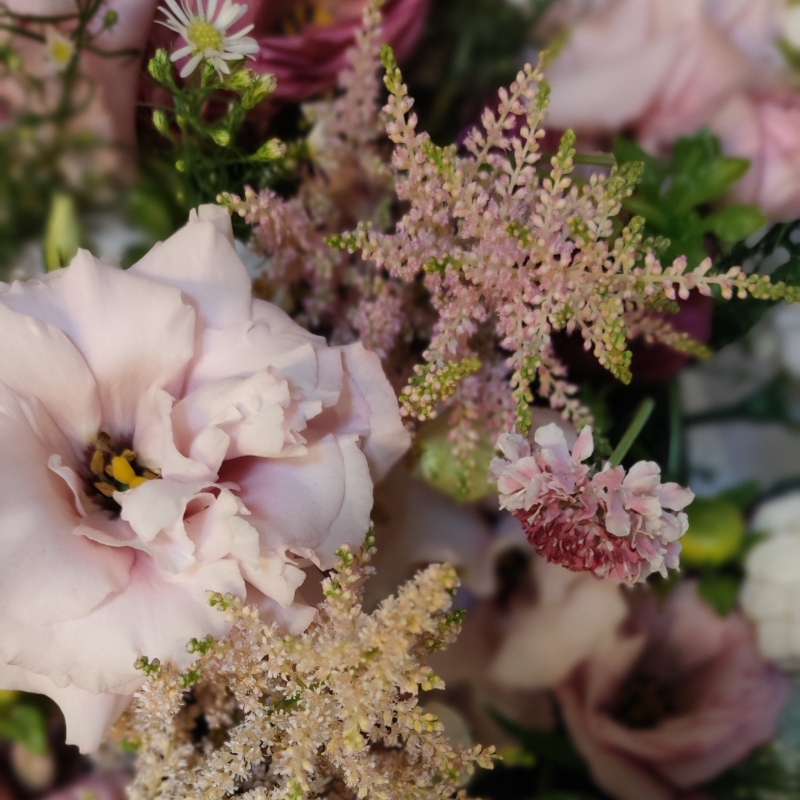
(111, 114)
(305, 48)
(674, 703)
(165, 435)
(660, 68)
(766, 129)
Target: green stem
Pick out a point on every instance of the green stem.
(675, 432)
(634, 429)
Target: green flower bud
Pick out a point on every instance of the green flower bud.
(161, 121)
(180, 165)
(160, 67)
(270, 151)
(716, 532)
(63, 235)
(239, 80)
(260, 87)
(110, 19)
(222, 136)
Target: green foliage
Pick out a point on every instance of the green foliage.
(211, 145)
(720, 591)
(734, 319)
(675, 196)
(23, 722)
(469, 49)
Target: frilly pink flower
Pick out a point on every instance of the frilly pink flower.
(164, 435)
(673, 703)
(660, 68)
(766, 130)
(613, 524)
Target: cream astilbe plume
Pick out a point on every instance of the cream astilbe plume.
(331, 713)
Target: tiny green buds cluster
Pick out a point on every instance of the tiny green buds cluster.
(431, 384)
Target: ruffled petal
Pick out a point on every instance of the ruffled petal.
(202, 262)
(119, 323)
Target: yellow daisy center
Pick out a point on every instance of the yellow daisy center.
(61, 52)
(204, 36)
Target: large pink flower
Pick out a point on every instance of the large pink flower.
(765, 129)
(165, 435)
(674, 702)
(660, 67)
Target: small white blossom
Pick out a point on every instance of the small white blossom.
(206, 34)
(771, 591)
(60, 49)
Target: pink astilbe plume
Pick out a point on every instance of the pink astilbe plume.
(613, 524)
(511, 251)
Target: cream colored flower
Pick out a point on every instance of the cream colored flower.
(60, 49)
(206, 34)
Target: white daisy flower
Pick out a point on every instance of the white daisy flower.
(60, 49)
(206, 33)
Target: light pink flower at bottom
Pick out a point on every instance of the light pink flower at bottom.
(673, 703)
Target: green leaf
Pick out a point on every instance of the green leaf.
(735, 222)
(24, 724)
(556, 748)
(720, 591)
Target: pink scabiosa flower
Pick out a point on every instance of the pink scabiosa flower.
(680, 696)
(165, 435)
(613, 524)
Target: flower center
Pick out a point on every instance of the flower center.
(204, 36)
(644, 701)
(115, 472)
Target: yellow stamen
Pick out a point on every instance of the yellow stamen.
(121, 470)
(204, 36)
(137, 480)
(98, 462)
(105, 488)
(129, 455)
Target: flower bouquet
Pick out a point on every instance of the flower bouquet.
(398, 399)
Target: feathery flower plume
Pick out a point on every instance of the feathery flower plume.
(613, 524)
(331, 713)
(511, 251)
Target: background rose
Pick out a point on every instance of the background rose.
(265, 442)
(660, 67)
(674, 703)
(766, 130)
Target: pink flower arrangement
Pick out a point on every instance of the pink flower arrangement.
(613, 524)
(674, 702)
(166, 436)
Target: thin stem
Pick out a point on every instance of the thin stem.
(632, 434)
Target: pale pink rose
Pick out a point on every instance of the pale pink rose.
(111, 113)
(701, 695)
(659, 68)
(765, 129)
(261, 442)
